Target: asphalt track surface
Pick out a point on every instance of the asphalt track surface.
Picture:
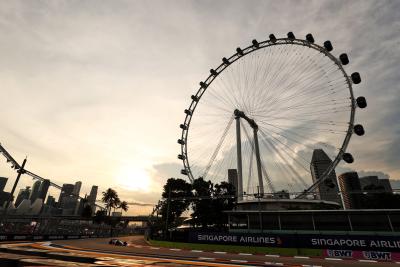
(138, 248)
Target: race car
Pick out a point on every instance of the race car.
(117, 242)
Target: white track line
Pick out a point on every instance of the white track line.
(154, 248)
(197, 251)
(333, 259)
(175, 249)
(219, 252)
(301, 257)
(272, 256)
(273, 263)
(367, 261)
(245, 254)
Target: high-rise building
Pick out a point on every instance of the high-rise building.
(4, 198)
(77, 188)
(51, 201)
(93, 194)
(351, 190)
(92, 198)
(328, 189)
(81, 205)
(69, 205)
(374, 184)
(35, 191)
(66, 190)
(23, 194)
(3, 182)
(44, 187)
(233, 178)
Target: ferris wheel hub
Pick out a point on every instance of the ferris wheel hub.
(240, 114)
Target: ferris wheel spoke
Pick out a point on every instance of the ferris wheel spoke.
(263, 169)
(299, 118)
(304, 137)
(274, 162)
(287, 163)
(319, 113)
(276, 83)
(273, 73)
(218, 147)
(266, 135)
(317, 101)
(227, 102)
(288, 83)
(302, 127)
(263, 80)
(306, 91)
(285, 138)
(305, 88)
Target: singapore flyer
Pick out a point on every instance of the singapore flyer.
(265, 110)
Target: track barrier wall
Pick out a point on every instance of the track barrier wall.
(11, 237)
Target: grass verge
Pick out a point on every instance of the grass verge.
(239, 249)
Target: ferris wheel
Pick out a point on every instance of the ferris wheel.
(264, 110)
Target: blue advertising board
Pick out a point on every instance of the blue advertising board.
(351, 242)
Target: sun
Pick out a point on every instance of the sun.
(133, 178)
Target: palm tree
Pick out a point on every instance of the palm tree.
(109, 198)
(116, 203)
(124, 206)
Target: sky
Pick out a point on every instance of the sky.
(95, 90)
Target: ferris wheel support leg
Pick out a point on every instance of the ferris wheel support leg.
(239, 160)
(260, 179)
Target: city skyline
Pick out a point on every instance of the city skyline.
(82, 81)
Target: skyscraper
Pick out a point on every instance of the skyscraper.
(35, 191)
(4, 196)
(51, 201)
(66, 190)
(69, 204)
(374, 184)
(44, 187)
(92, 197)
(351, 190)
(23, 194)
(328, 189)
(77, 188)
(93, 194)
(3, 182)
(233, 178)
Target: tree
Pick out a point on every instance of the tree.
(124, 206)
(100, 216)
(117, 203)
(210, 202)
(87, 211)
(175, 200)
(224, 199)
(111, 199)
(203, 212)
